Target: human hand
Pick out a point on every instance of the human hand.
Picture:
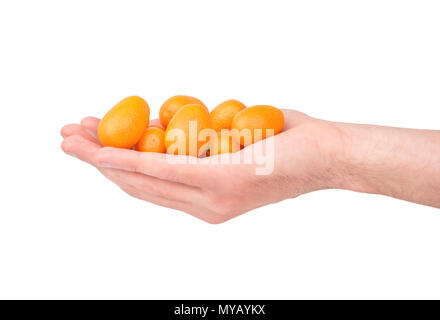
(210, 188)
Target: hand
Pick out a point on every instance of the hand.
(304, 160)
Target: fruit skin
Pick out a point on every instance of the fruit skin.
(181, 120)
(222, 115)
(124, 124)
(173, 104)
(223, 142)
(153, 140)
(257, 117)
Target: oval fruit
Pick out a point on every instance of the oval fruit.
(222, 115)
(223, 142)
(153, 140)
(182, 135)
(251, 124)
(173, 104)
(124, 124)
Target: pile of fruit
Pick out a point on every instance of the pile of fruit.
(187, 127)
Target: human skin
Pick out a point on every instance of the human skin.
(309, 155)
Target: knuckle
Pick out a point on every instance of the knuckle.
(225, 203)
(130, 190)
(225, 206)
(226, 210)
(216, 219)
(215, 199)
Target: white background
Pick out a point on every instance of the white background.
(67, 232)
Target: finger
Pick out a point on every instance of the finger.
(81, 148)
(181, 169)
(90, 124)
(76, 129)
(158, 187)
(67, 130)
(156, 123)
(128, 186)
(86, 151)
(191, 209)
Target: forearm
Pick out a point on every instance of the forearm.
(401, 163)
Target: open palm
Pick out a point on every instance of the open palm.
(208, 188)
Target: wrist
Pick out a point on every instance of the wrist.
(347, 158)
(341, 170)
(369, 159)
(329, 166)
